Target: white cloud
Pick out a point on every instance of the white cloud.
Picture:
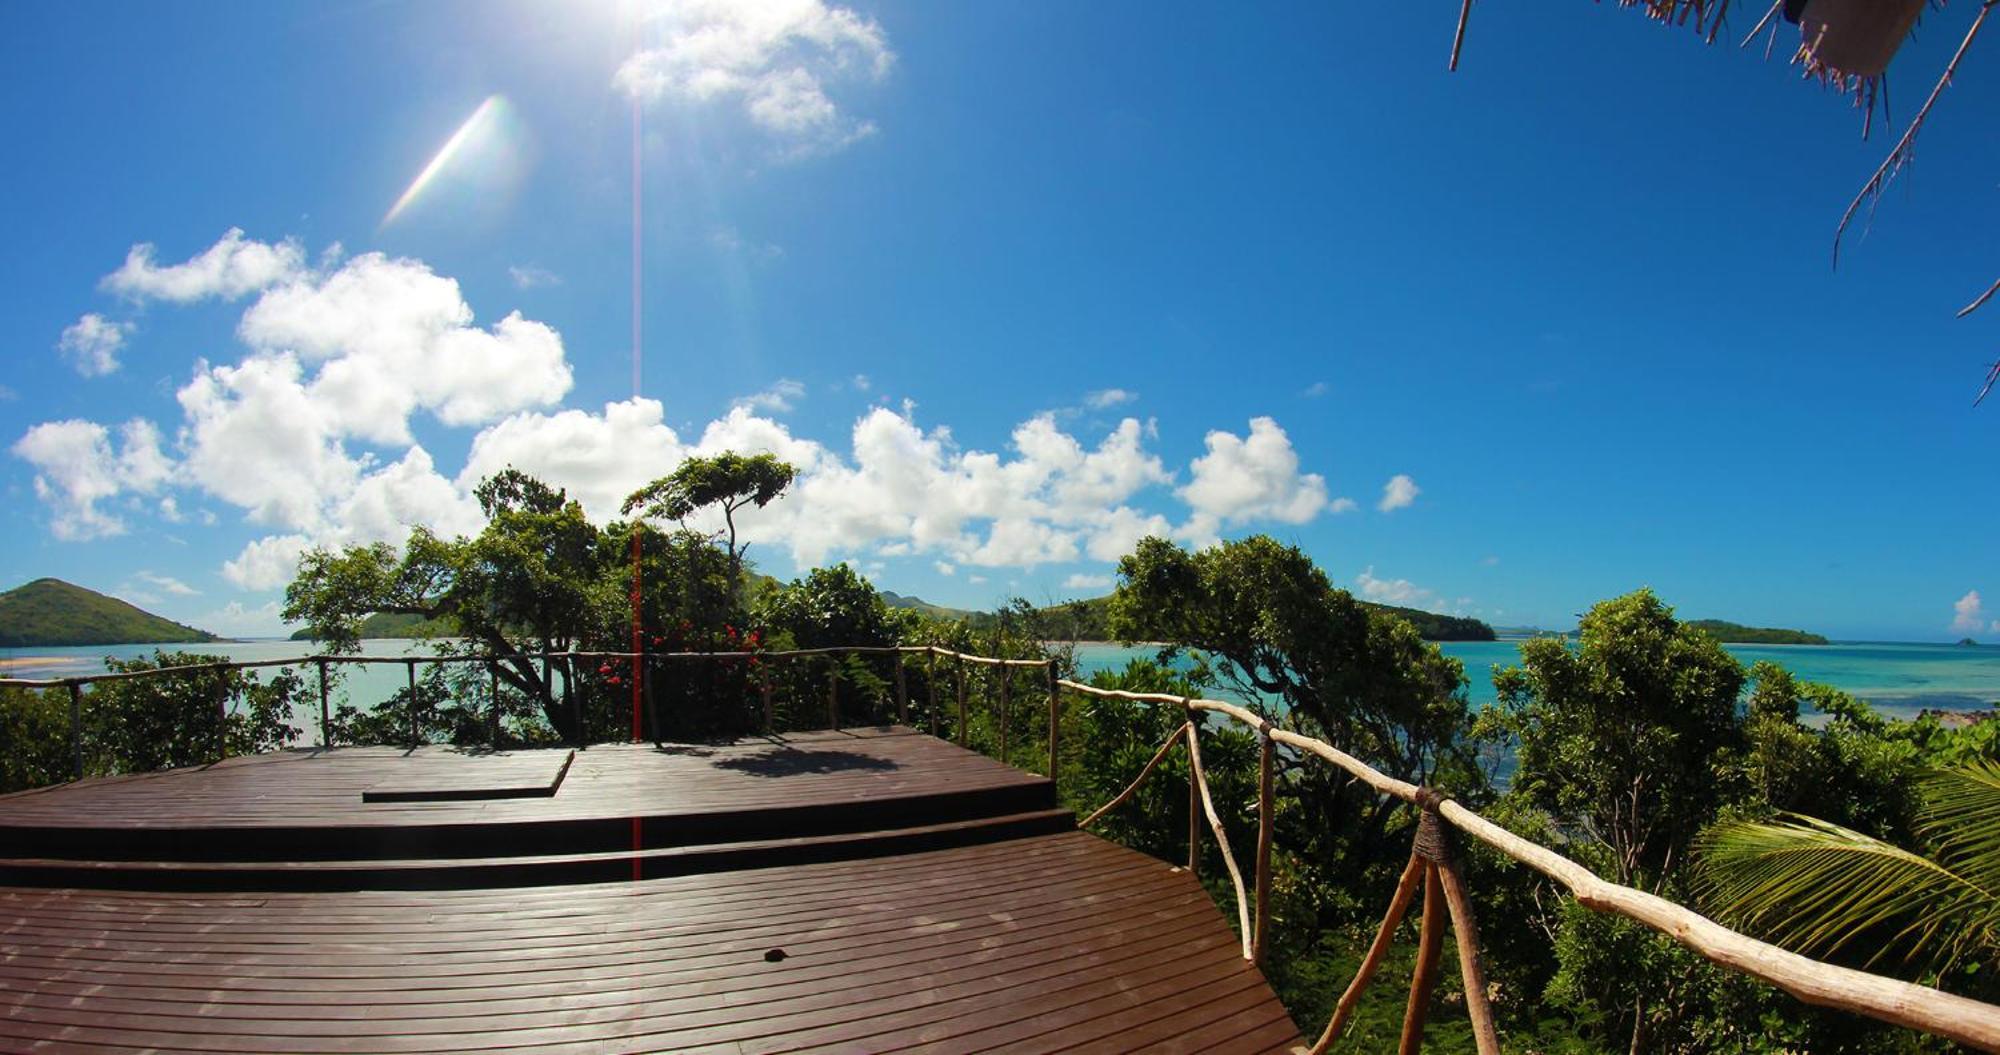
(1314, 390)
(779, 398)
(946, 568)
(267, 563)
(860, 382)
(76, 466)
(774, 60)
(1398, 493)
(167, 583)
(1255, 477)
(976, 580)
(531, 277)
(1397, 591)
(597, 458)
(236, 619)
(91, 344)
(1105, 398)
(394, 337)
(1341, 505)
(1080, 581)
(1968, 613)
(231, 268)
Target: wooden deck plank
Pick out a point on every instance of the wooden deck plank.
(1014, 942)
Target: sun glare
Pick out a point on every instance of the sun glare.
(484, 117)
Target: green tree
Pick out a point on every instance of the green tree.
(728, 481)
(533, 581)
(1620, 738)
(1296, 646)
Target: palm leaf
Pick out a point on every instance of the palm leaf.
(1817, 887)
(1960, 817)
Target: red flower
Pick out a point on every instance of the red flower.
(604, 669)
(616, 680)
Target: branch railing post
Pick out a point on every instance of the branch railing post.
(493, 704)
(221, 712)
(1055, 724)
(574, 698)
(76, 725)
(902, 693)
(410, 666)
(1005, 674)
(930, 689)
(1423, 980)
(1266, 809)
(833, 692)
(325, 738)
(765, 691)
(1442, 846)
(1194, 798)
(961, 701)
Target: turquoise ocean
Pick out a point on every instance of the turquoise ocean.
(1898, 678)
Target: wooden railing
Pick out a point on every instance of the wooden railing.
(568, 663)
(1433, 867)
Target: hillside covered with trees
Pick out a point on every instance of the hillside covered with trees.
(1737, 634)
(52, 613)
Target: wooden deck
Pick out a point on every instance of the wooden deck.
(868, 891)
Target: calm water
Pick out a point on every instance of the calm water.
(363, 685)
(1900, 679)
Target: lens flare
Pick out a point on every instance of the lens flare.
(485, 115)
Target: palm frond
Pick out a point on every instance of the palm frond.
(1818, 887)
(1960, 817)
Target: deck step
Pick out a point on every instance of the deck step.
(657, 828)
(527, 869)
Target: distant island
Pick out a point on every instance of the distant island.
(50, 613)
(1966, 641)
(394, 625)
(1737, 634)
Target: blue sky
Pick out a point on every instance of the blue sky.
(1577, 294)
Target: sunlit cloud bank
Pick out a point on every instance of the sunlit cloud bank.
(307, 436)
(773, 62)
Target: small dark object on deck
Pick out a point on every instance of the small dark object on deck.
(774, 956)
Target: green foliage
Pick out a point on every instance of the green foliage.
(535, 580)
(1738, 634)
(1361, 679)
(1822, 888)
(1620, 737)
(51, 612)
(393, 626)
(728, 481)
(34, 738)
(172, 719)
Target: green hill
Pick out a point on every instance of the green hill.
(1737, 634)
(388, 625)
(51, 612)
(935, 611)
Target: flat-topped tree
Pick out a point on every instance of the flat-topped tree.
(728, 480)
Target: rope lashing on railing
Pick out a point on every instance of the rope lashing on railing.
(1969, 1022)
